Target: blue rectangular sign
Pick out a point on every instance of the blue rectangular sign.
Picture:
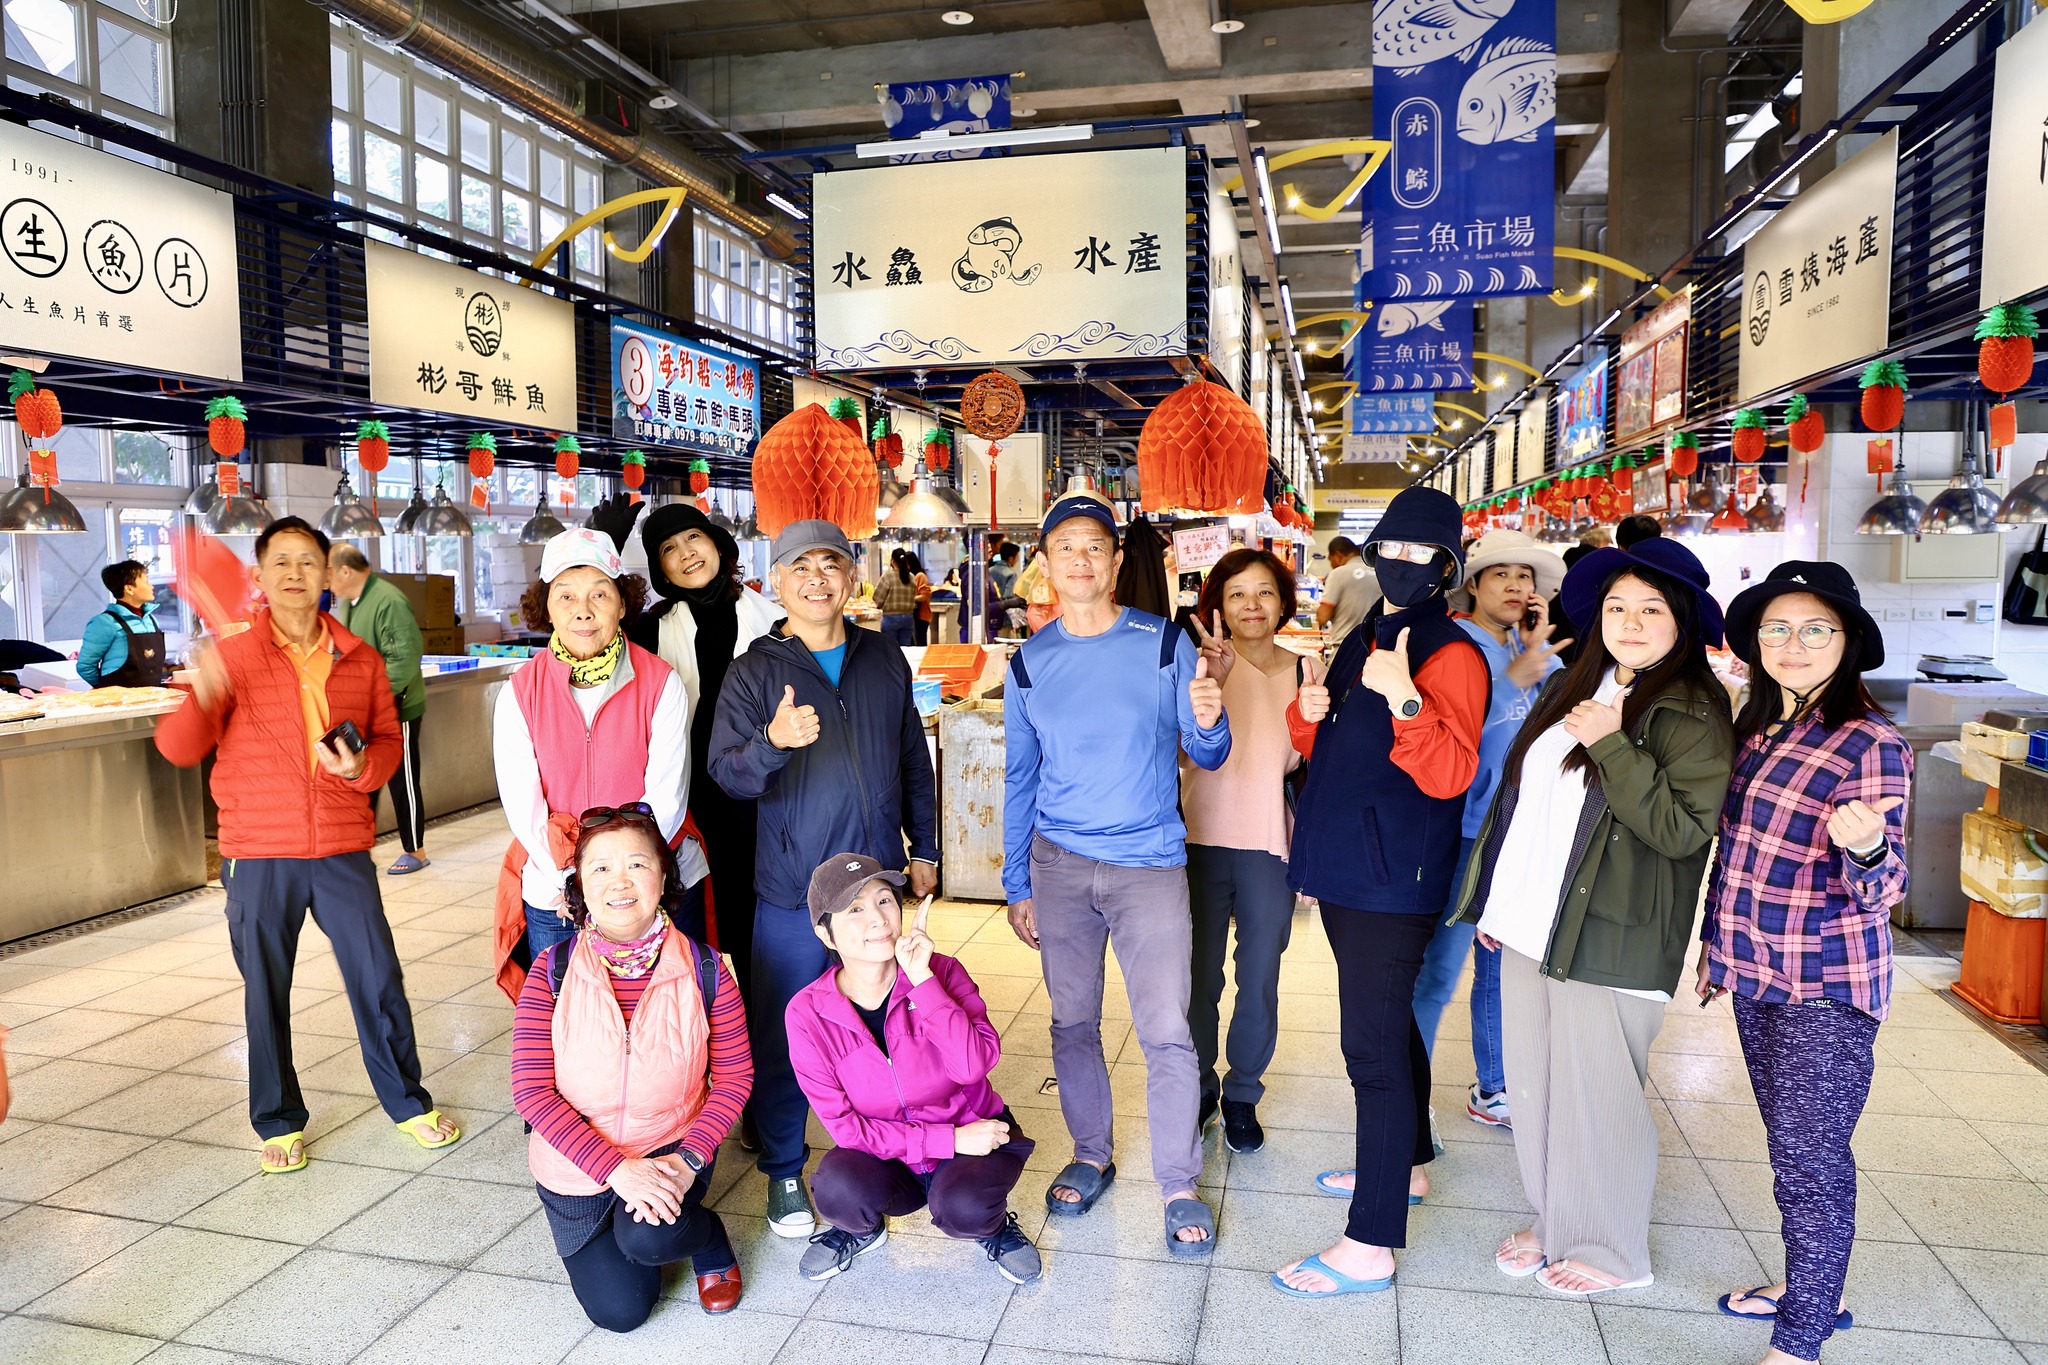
(1582, 415)
(1424, 345)
(1384, 413)
(967, 104)
(681, 394)
(1467, 95)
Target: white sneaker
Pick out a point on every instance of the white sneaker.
(1491, 1110)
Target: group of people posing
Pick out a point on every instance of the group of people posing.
(692, 774)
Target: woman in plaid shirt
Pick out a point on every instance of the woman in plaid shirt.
(1798, 929)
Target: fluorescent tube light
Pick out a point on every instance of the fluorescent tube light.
(791, 209)
(1006, 137)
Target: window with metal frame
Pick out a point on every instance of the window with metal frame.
(738, 290)
(108, 56)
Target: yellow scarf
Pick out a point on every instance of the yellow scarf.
(594, 670)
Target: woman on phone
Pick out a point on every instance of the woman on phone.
(1798, 923)
(1586, 874)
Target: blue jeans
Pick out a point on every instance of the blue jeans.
(544, 929)
(788, 956)
(1441, 967)
(900, 628)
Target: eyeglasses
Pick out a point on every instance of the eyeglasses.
(1777, 634)
(597, 817)
(1412, 552)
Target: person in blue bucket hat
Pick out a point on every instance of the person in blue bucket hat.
(1586, 875)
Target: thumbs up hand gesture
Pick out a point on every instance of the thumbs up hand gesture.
(1860, 828)
(1386, 671)
(793, 726)
(1592, 721)
(1313, 696)
(1205, 695)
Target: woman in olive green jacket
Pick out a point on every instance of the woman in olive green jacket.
(1586, 875)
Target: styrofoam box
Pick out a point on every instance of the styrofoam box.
(1989, 739)
(1979, 766)
(1953, 703)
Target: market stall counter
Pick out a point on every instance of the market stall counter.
(455, 735)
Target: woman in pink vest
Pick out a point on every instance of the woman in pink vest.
(893, 1048)
(593, 721)
(630, 1061)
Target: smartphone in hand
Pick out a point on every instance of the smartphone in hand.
(346, 736)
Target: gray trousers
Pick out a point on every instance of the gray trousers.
(1080, 906)
(1577, 1056)
(1249, 886)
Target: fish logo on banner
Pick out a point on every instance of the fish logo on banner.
(970, 104)
(1426, 345)
(1465, 91)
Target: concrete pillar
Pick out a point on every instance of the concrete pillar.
(1844, 62)
(251, 88)
(1650, 103)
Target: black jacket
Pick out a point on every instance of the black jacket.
(864, 786)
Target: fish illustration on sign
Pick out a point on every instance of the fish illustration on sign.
(991, 255)
(1399, 319)
(1510, 94)
(1410, 34)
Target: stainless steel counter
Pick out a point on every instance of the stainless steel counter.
(92, 819)
(455, 741)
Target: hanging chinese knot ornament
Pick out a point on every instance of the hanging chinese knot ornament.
(847, 410)
(568, 457)
(40, 417)
(810, 466)
(2005, 347)
(938, 450)
(1203, 450)
(1884, 394)
(1684, 459)
(1805, 428)
(1748, 438)
(992, 407)
(483, 460)
(888, 445)
(700, 475)
(227, 433)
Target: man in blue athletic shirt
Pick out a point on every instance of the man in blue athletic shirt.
(1096, 709)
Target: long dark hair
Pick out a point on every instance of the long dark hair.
(1237, 562)
(900, 560)
(1843, 697)
(1685, 666)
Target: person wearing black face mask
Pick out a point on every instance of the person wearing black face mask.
(1393, 738)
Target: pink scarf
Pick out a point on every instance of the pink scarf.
(630, 960)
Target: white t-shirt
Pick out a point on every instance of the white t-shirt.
(1536, 851)
(1350, 590)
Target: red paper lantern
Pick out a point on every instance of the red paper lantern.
(226, 431)
(373, 446)
(1884, 394)
(700, 475)
(1202, 449)
(2005, 347)
(938, 450)
(1747, 439)
(37, 410)
(483, 455)
(809, 466)
(568, 456)
(1684, 458)
(1805, 428)
(633, 468)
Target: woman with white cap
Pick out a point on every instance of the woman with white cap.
(593, 720)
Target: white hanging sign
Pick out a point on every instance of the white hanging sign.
(1019, 477)
(108, 260)
(445, 338)
(1373, 448)
(1071, 257)
(2016, 181)
(1817, 288)
(1531, 434)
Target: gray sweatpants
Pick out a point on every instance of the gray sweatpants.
(1080, 905)
(1577, 1056)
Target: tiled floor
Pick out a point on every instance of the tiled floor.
(133, 1223)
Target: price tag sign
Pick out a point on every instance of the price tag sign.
(1200, 547)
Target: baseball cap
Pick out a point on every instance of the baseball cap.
(1079, 505)
(801, 537)
(580, 547)
(839, 879)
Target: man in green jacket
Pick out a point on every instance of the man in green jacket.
(378, 613)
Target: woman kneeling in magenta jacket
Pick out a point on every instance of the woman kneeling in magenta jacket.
(893, 1048)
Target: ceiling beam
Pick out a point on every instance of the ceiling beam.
(1182, 28)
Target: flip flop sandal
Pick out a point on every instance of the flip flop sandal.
(1545, 1281)
(421, 1127)
(1189, 1213)
(407, 864)
(1504, 1262)
(1083, 1180)
(1843, 1320)
(286, 1142)
(1345, 1284)
(1323, 1186)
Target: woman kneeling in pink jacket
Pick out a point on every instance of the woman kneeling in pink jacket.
(893, 1047)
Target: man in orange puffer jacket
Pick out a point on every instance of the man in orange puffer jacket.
(296, 828)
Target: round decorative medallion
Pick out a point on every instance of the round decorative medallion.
(992, 407)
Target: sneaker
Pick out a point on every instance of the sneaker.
(1012, 1252)
(789, 1207)
(1205, 1116)
(833, 1250)
(1491, 1110)
(1241, 1131)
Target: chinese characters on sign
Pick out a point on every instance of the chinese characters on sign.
(1651, 391)
(2016, 185)
(1198, 547)
(1467, 96)
(1582, 414)
(105, 259)
(1070, 257)
(1532, 435)
(448, 339)
(685, 395)
(1817, 291)
(1374, 414)
(1414, 346)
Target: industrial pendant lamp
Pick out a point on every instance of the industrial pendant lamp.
(204, 494)
(2027, 504)
(1764, 514)
(542, 527)
(1730, 517)
(350, 517)
(409, 519)
(1897, 513)
(892, 488)
(443, 517)
(27, 511)
(237, 514)
(1964, 508)
(922, 508)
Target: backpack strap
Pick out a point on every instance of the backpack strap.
(707, 973)
(558, 965)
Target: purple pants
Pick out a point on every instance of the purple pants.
(1810, 1065)
(968, 1195)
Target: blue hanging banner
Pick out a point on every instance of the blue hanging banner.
(1381, 413)
(1466, 91)
(1424, 345)
(967, 104)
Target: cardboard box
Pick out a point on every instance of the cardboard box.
(432, 596)
(1990, 739)
(443, 640)
(2001, 868)
(1979, 766)
(1953, 703)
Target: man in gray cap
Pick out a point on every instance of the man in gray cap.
(817, 726)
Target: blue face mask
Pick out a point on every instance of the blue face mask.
(1410, 585)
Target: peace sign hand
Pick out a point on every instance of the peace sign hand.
(914, 947)
(1532, 665)
(1386, 670)
(1216, 651)
(1858, 827)
(1592, 721)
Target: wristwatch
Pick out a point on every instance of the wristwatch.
(691, 1159)
(1409, 709)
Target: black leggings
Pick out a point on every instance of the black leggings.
(617, 1275)
(1378, 959)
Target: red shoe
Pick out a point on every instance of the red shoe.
(719, 1291)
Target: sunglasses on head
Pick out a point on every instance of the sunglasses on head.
(597, 817)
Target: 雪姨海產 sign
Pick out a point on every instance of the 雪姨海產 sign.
(448, 339)
(1072, 257)
(108, 260)
(1817, 279)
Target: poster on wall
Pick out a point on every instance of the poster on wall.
(1582, 415)
(1651, 488)
(1226, 297)
(1410, 346)
(2016, 182)
(445, 338)
(1650, 388)
(1019, 480)
(1401, 412)
(107, 260)
(1818, 276)
(1070, 257)
(1532, 436)
(1467, 96)
(685, 395)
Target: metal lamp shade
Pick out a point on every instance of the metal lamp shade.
(921, 509)
(240, 515)
(26, 511)
(409, 519)
(1764, 514)
(205, 494)
(350, 517)
(1897, 513)
(1964, 508)
(542, 527)
(892, 488)
(2027, 504)
(443, 518)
